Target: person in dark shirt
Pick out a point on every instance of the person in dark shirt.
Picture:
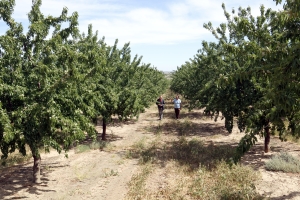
(160, 105)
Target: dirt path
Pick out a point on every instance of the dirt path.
(104, 175)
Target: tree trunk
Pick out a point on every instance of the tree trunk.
(36, 169)
(104, 129)
(267, 138)
(95, 120)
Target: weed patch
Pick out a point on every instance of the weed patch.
(145, 153)
(283, 162)
(138, 182)
(109, 172)
(92, 146)
(98, 145)
(224, 182)
(82, 148)
(184, 128)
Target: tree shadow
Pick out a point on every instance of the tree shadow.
(110, 137)
(292, 195)
(188, 128)
(16, 178)
(255, 157)
(169, 113)
(193, 153)
(187, 114)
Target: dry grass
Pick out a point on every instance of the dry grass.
(137, 184)
(14, 159)
(179, 163)
(175, 165)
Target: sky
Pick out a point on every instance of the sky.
(166, 33)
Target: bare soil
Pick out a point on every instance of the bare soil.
(105, 174)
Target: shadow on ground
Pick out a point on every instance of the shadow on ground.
(256, 157)
(19, 177)
(191, 153)
(184, 114)
(187, 128)
(292, 195)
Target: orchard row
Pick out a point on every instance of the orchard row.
(250, 74)
(55, 86)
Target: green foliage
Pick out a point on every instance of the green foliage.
(38, 90)
(52, 86)
(126, 85)
(283, 162)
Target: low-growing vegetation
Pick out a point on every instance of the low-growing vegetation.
(91, 146)
(283, 162)
(194, 169)
(14, 159)
(224, 182)
(137, 184)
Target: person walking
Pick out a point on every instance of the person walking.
(160, 105)
(177, 106)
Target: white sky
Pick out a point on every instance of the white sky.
(167, 33)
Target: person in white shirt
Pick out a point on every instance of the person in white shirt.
(177, 106)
